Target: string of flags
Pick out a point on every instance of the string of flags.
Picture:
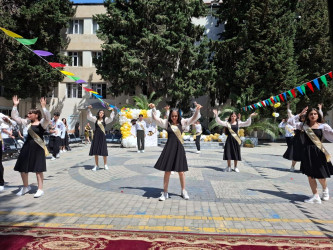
(283, 97)
(57, 66)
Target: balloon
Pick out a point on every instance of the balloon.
(276, 105)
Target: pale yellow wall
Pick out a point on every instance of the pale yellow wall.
(87, 11)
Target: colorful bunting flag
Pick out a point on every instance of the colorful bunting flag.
(315, 81)
(310, 86)
(300, 90)
(281, 97)
(330, 74)
(289, 92)
(66, 73)
(80, 81)
(278, 98)
(74, 78)
(10, 33)
(285, 95)
(88, 90)
(323, 79)
(303, 89)
(57, 65)
(27, 41)
(42, 53)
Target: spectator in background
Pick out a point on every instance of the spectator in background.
(77, 130)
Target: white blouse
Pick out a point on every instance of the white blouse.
(44, 121)
(93, 119)
(327, 130)
(240, 123)
(163, 123)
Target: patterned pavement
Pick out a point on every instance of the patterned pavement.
(264, 198)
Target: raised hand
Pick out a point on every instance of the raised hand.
(151, 105)
(215, 111)
(43, 102)
(198, 106)
(167, 107)
(320, 105)
(16, 101)
(89, 107)
(304, 111)
(253, 114)
(239, 116)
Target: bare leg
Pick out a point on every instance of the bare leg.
(24, 177)
(235, 164)
(182, 179)
(323, 183)
(229, 163)
(105, 160)
(293, 163)
(96, 160)
(313, 185)
(166, 181)
(40, 178)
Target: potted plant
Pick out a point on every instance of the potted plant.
(248, 143)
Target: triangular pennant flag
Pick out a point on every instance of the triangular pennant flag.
(285, 95)
(310, 86)
(330, 74)
(270, 102)
(315, 81)
(10, 33)
(66, 73)
(243, 108)
(94, 92)
(27, 41)
(98, 96)
(293, 92)
(263, 104)
(267, 102)
(323, 79)
(259, 104)
(86, 89)
(80, 81)
(57, 65)
(278, 98)
(74, 78)
(303, 89)
(281, 97)
(300, 90)
(289, 92)
(42, 53)
(274, 99)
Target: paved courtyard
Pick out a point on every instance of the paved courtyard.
(264, 198)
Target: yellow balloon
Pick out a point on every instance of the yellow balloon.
(276, 105)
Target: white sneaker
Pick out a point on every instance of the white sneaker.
(61, 151)
(142, 151)
(2, 188)
(325, 196)
(184, 194)
(23, 191)
(58, 155)
(106, 167)
(172, 172)
(227, 169)
(52, 159)
(164, 196)
(64, 151)
(292, 169)
(95, 168)
(39, 193)
(139, 151)
(313, 199)
(236, 170)
(198, 152)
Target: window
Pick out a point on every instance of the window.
(74, 90)
(76, 59)
(95, 55)
(75, 27)
(95, 26)
(100, 89)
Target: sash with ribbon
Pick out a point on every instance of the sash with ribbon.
(38, 140)
(141, 126)
(234, 134)
(177, 132)
(314, 138)
(100, 124)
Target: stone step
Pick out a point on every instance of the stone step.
(190, 145)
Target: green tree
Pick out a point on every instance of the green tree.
(257, 56)
(142, 101)
(312, 51)
(22, 72)
(152, 44)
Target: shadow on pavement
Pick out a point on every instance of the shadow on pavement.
(150, 192)
(291, 197)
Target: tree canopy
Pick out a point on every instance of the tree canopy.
(153, 45)
(22, 72)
